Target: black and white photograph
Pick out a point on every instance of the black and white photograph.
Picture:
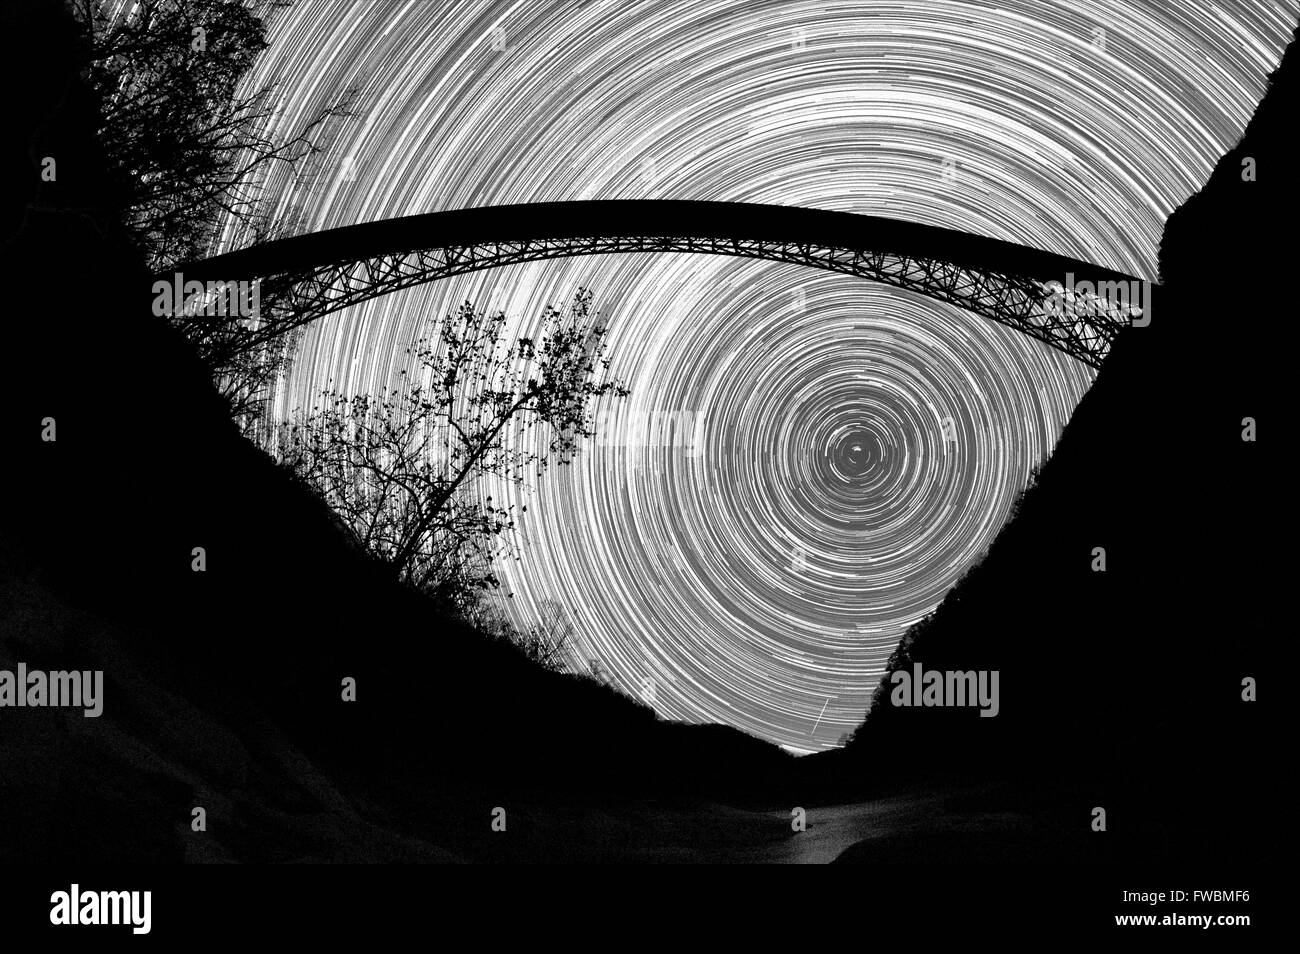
(645, 432)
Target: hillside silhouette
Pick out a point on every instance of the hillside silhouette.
(223, 687)
(1123, 688)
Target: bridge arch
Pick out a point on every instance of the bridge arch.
(307, 276)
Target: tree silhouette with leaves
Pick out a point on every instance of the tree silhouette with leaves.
(411, 472)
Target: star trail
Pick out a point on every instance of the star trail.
(808, 461)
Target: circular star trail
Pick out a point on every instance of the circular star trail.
(808, 461)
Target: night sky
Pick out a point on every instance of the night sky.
(761, 564)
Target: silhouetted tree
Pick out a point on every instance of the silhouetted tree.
(410, 472)
(190, 146)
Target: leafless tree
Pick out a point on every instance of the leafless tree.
(190, 146)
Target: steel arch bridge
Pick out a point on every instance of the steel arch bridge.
(307, 276)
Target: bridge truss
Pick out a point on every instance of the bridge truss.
(295, 298)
